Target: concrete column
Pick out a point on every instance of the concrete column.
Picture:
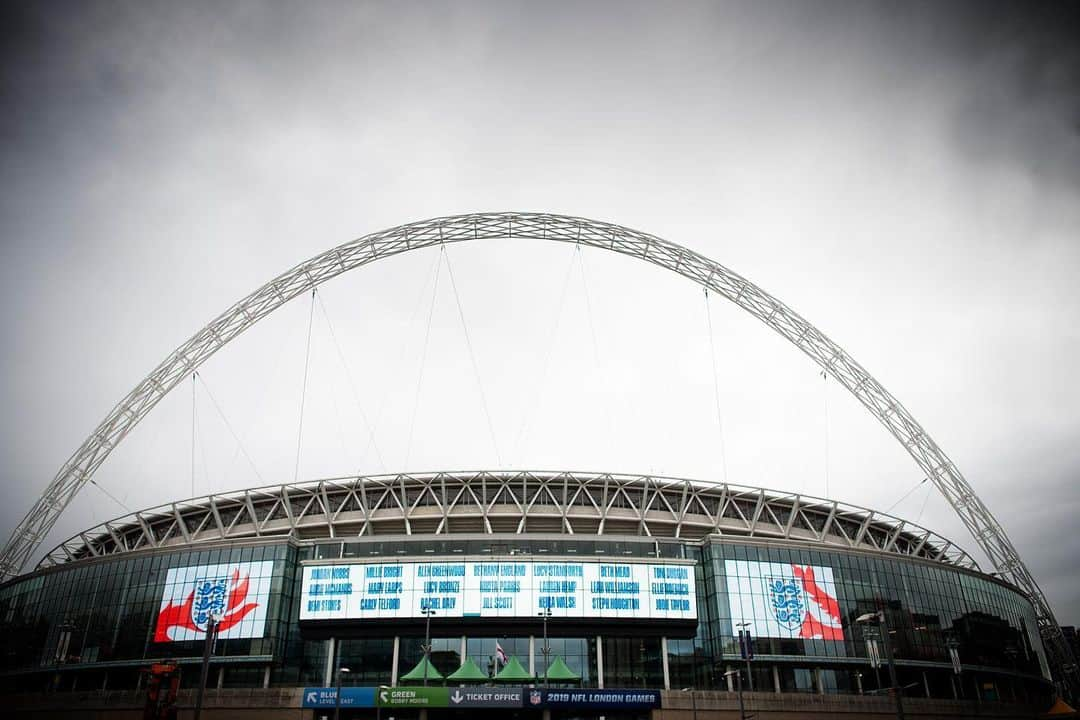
(858, 681)
(532, 655)
(926, 683)
(221, 677)
(599, 661)
(266, 677)
(776, 680)
(328, 675)
(818, 680)
(730, 682)
(464, 648)
(393, 670)
(664, 661)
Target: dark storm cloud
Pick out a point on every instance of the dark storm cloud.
(904, 173)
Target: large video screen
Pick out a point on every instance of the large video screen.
(498, 589)
(236, 594)
(780, 600)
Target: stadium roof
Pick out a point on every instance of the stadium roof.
(570, 504)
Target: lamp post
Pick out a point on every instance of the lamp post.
(428, 612)
(545, 650)
(883, 624)
(208, 651)
(337, 695)
(747, 652)
(738, 679)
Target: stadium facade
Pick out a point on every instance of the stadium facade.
(647, 582)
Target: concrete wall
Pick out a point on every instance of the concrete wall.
(725, 706)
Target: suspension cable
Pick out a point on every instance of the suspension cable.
(303, 389)
(905, 495)
(926, 498)
(588, 304)
(423, 363)
(110, 496)
(229, 427)
(472, 357)
(193, 434)
(539, 386)
(716, 388)
(417, 307)
(352, 383)
(825, 402)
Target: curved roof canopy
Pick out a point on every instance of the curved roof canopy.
(573, 504)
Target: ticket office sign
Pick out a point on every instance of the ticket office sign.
(658, 591)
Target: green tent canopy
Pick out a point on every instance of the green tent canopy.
(417, 673)
(560, 672)
(513, 672)
(469, 672)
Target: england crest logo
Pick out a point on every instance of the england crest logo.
(209, 600)
(785, 597)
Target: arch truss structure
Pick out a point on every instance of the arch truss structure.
(509, 226)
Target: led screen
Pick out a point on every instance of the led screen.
(498, 589)
(781, 600)
(235, 593)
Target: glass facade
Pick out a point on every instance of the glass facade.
(93, 624)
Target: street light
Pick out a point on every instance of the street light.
(428, 612)
(337, 695)
(898, 691)
(212, 621)
(747, 652)
(545, 650)
(738, 677)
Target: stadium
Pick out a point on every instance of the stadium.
(546, 593)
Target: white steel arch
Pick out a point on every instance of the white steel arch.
(933, 461)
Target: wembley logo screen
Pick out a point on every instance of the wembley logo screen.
(781, 600)
(236, 594)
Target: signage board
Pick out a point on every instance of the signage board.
(570, 589)
(235, 593)
(485, 697)
(594, 698)
(324, 697)
(781, 600)
(397, 697)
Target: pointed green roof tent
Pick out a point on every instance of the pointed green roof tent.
(513, 672)
(560, 672)
(417, 673)
(469, 672)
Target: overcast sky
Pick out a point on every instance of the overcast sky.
(905, 175)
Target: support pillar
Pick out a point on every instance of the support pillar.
(532, 655)
(328, 674)
(664, 662)
(221, 677)
(818, 681)
(858, 681)
(926, 683)
(397, 650)
(776, 680)
(266, 677)
(464, 649)
(730, 682)
(599, 661)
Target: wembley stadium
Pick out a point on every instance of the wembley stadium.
(534, 594)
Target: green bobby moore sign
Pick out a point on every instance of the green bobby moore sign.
(442, 697)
